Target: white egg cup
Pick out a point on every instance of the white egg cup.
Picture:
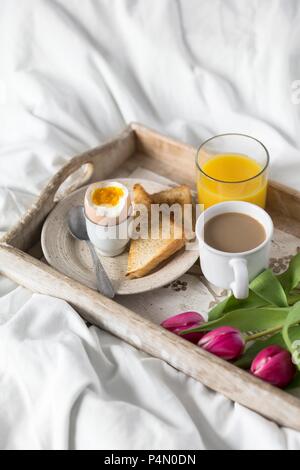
(110, 240)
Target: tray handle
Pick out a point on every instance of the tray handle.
(77, 172)
(77, 178)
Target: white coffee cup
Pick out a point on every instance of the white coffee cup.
(234, 270)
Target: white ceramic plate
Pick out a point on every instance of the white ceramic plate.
(72, 257)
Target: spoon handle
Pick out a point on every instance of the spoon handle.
(104, 285)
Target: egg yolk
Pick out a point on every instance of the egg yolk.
(109, 196)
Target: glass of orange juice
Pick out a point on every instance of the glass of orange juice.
(232, 167)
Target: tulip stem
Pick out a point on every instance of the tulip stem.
(269, 332)
(262, 334)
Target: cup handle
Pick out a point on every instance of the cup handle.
(240, 285)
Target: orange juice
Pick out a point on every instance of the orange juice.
(228, 177)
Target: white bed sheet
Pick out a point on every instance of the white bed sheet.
(73, 73)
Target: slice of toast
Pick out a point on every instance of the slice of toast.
(180, 195)
(140, 196)
(146, 254)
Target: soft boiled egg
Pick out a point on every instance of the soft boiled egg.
(107, 203)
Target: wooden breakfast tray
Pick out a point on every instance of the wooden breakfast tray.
(138, 147)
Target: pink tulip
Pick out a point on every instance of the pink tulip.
(225, 342)
(185, 321)
(274, 365)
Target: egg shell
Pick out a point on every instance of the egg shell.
(103, 215)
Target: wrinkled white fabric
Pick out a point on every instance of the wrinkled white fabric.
(73, 74)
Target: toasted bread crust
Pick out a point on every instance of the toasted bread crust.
(180, 195)
(163, 254)
(140, 196)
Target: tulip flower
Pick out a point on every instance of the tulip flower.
(185, 321)
(274, 365)
(225, 342)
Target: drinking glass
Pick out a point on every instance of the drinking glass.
(232, 167)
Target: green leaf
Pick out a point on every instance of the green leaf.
(267, 286)
(264, 289)
(295, 383)
(293, 297)
(231, 303)
(291, 278)
(218, 311)
(246, 360)
(293, 344)
(249, 319)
